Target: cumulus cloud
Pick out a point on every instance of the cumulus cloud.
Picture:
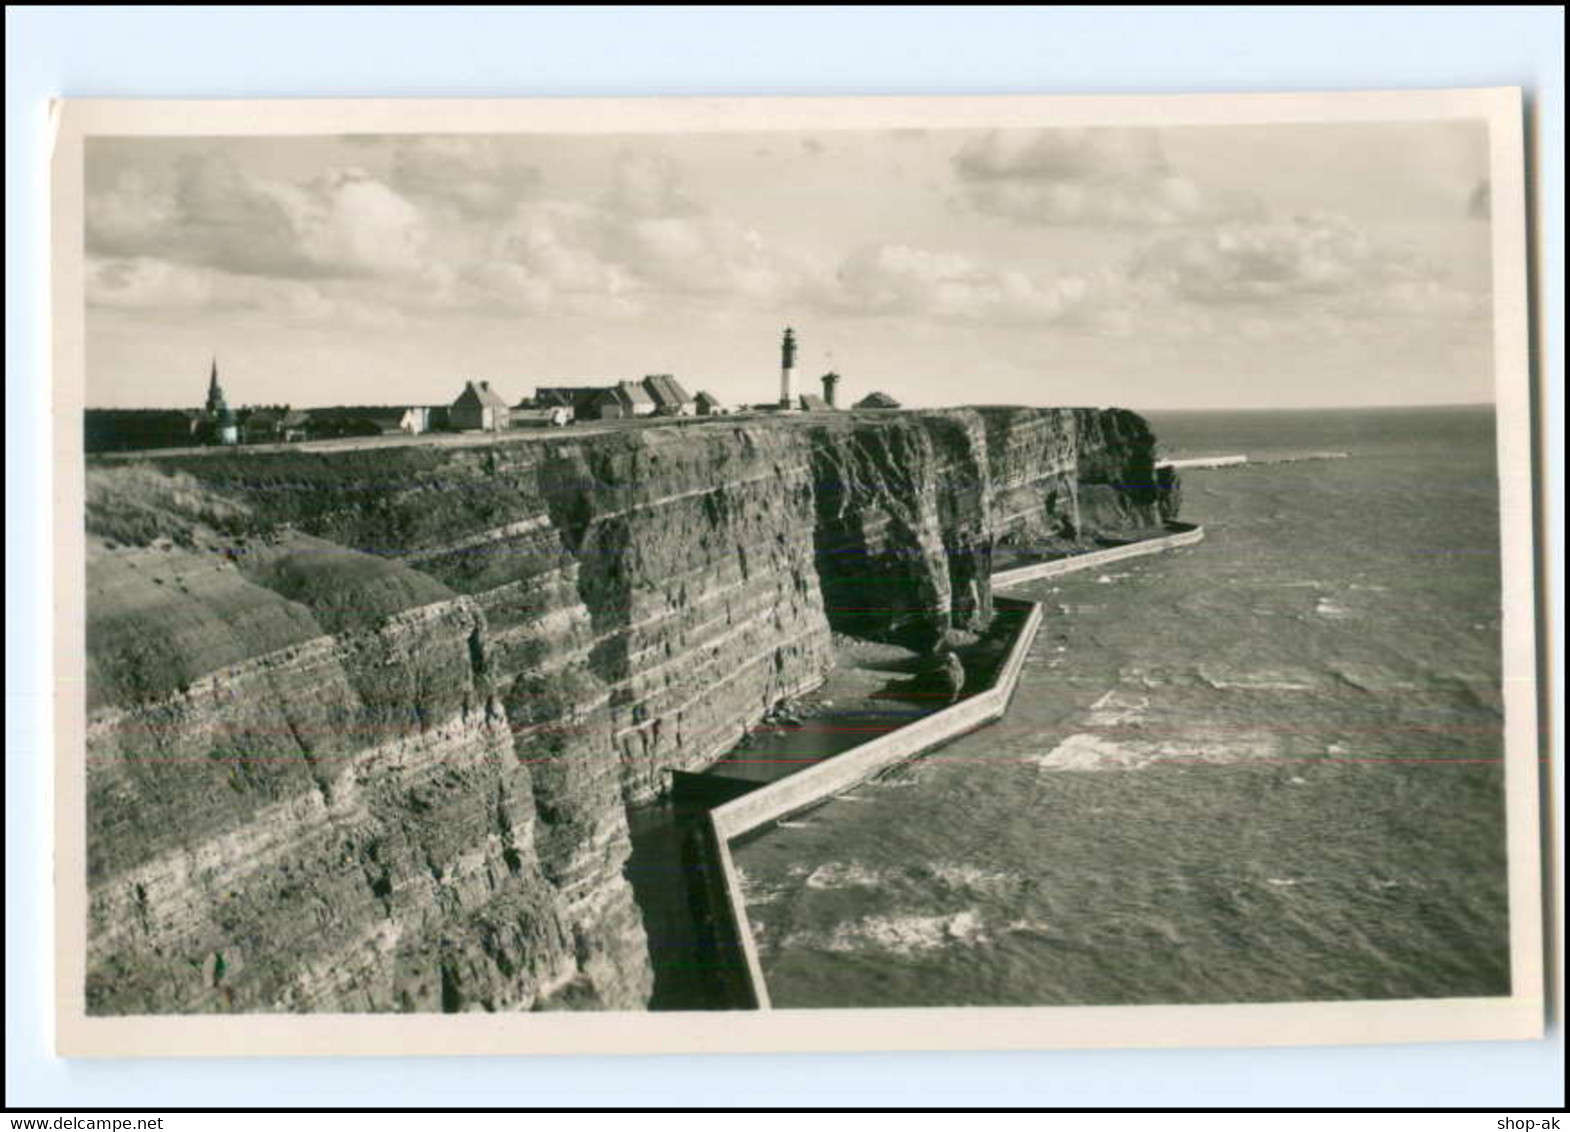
(147, 284)
(560, 243)
(510, 288)
(207, 211)
(143, 283)
(646, 234)
(1308, 279)
(1293, 272)
(696, 255)
(895, 279)
(483, 178)
(451, 224)
(645, 186)
(1091, 177)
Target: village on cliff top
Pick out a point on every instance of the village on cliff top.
(478, 408)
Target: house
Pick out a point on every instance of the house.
(388, 419)
(479, 407)
(293, 425)
(585, 401)
(407, 420)
(554, 417)
(270, 426)
(608, 405)
(623, 400)
(708, 405)
(877, 401)
(546, 396)
(635, 399)
(558, 413)
(812, 403)
(582, 402)
(670, 399)
(259, 426)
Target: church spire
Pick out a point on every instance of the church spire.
(215, 392)
(221, 418)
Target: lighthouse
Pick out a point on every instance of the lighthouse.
(788, 369)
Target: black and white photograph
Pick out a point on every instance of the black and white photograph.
(810, 562)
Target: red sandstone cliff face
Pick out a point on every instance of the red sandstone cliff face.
(364, 724)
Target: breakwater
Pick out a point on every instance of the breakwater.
(722, 905)
(1195, 462)
(1204, 462)
(1182, 534)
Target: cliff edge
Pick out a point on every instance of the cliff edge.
(363, 725)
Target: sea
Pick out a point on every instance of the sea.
(1267, 767)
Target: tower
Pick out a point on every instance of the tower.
(788, 369)
(830, 380)
(215, 392)
(226, 428)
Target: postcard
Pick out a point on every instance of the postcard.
(560, 576)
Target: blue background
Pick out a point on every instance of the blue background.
(255, 52)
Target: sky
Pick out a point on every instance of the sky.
(1196, 267)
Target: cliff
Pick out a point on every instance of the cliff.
(364, 724)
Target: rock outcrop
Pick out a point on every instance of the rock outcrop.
(364, 724)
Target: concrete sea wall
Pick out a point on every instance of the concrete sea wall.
(1204, 462)
(1183, 534)
(734, 943)
(1197, 462)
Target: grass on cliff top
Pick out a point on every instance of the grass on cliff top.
(157, 620)
(160, 618)
(136, 505)
(344, 589)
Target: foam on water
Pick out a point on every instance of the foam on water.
(1325, 607)
(1091, 752)
(841, 874)
(1116, 708)
(1260, 681)
(902, 935)
(972, 878)
(1258, 773)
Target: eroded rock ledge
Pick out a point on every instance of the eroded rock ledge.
(363, 725)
